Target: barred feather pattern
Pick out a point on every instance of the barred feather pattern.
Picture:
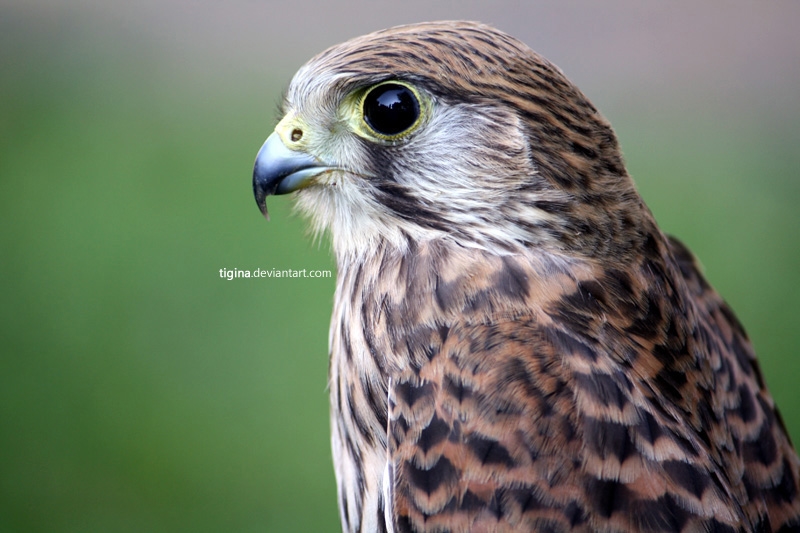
(515, 345)
(552, 396)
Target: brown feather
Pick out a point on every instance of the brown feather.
(521, 348)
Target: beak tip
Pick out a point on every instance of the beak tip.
(261, 202)
(260, 194)
(279, 170)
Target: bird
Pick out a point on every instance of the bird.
(515, 345)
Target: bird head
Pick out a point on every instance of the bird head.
(452, 131)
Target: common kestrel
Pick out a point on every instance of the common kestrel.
(515, 345)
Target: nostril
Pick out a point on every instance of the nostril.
(297, 134)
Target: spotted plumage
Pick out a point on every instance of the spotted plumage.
(515, 345)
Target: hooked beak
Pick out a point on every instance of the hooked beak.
(279, 170)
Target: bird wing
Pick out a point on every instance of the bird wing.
(751, 438)
(627, 400)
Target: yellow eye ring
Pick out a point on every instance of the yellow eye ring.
(391, 110)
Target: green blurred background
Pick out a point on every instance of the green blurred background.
(139, 391)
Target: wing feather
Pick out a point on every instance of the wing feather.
(628, 402)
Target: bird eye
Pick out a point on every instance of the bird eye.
(390, 109)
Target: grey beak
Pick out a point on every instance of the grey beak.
(278, 170)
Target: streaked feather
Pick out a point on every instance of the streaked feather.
(515, 345)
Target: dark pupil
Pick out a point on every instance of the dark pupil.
(391, 109)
